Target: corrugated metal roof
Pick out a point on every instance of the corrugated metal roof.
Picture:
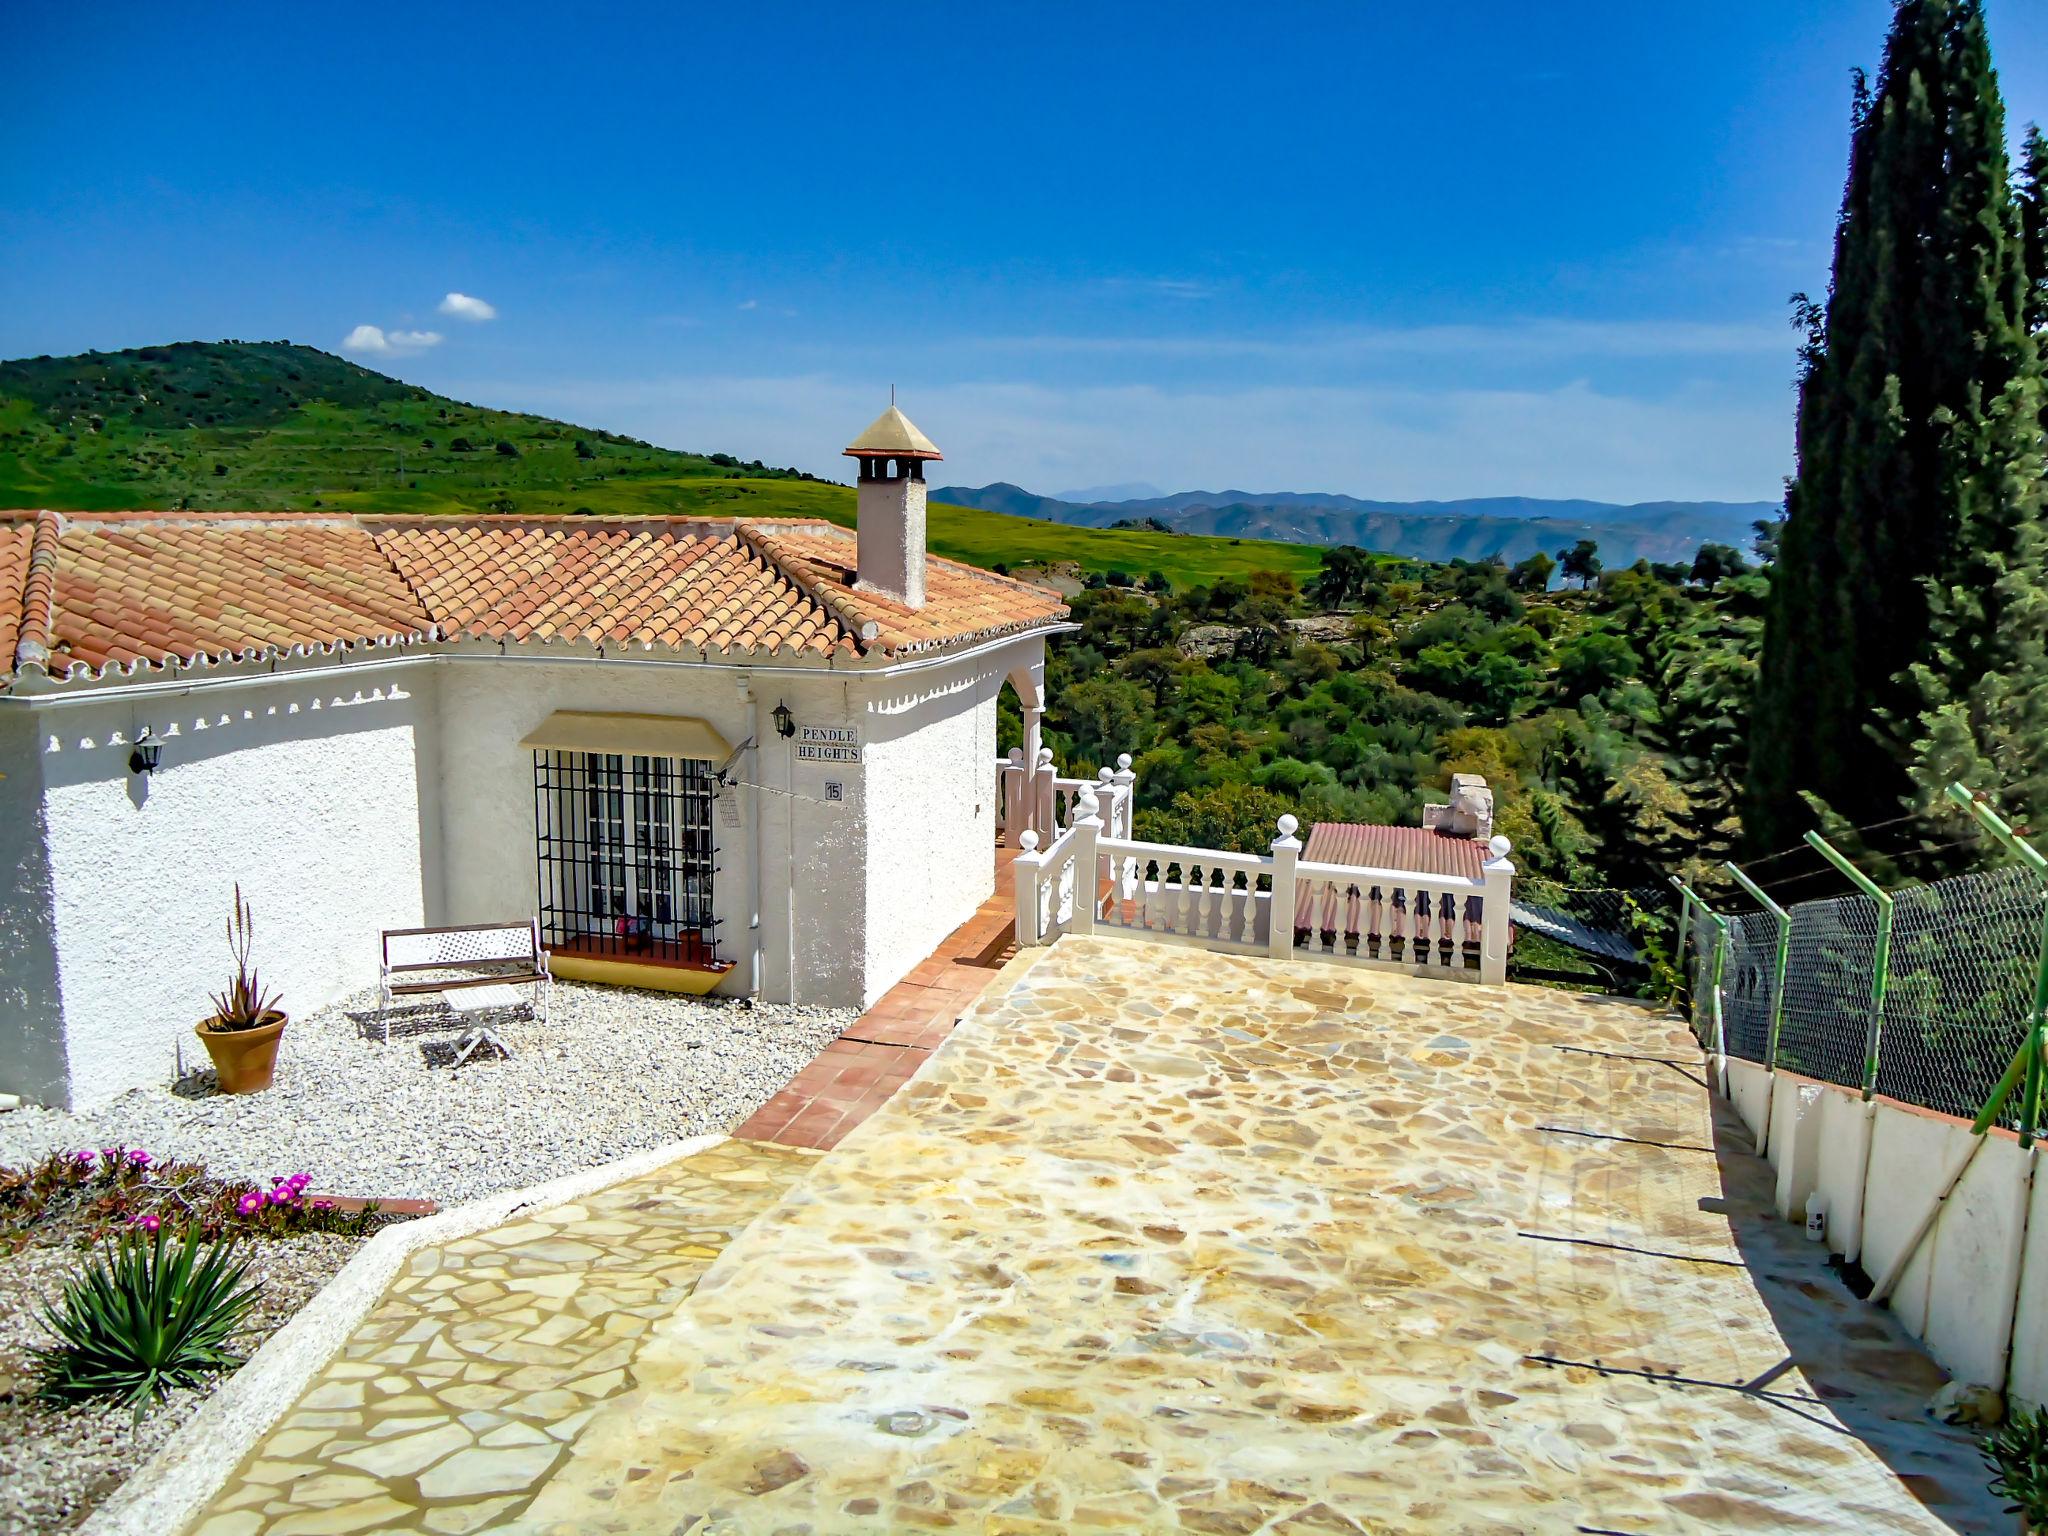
(1414, 848)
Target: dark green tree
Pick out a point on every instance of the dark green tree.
(1580, 563)
(1532, 574)
(1715, 561)
(1917, 496)
(2032, 196)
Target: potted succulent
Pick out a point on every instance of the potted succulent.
(242, 1034)
(2017, 1453)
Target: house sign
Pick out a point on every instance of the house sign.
(827, 744)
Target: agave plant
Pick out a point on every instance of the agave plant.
(145, 1316)
(244, 1005)
(2017, 1452)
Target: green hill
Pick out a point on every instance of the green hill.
(270, 425)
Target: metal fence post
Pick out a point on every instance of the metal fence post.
(1880, 962)
(1684, 915)
(1784, 953)
(2029, 1060)
(1688, 898)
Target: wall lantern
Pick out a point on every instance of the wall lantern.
(149, 750)
(785, 724)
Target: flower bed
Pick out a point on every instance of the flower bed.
(57, 1214)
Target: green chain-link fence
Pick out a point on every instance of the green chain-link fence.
(1933, 1015)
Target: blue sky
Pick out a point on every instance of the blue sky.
(1402, 252)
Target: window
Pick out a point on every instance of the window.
(625, 854)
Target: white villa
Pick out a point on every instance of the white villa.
(756, 756)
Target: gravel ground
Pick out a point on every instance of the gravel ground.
(57, 1464)
(614, 1071)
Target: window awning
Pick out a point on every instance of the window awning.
(576, 730)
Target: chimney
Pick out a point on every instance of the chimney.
(1470, 813)
(890, 525)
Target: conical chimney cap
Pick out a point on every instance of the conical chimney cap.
(893, 435)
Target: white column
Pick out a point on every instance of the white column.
(1499, 871)
(1087, 872)
(1045, 819)
(1127, 781)
(1016, 813)
(1025, 870)
(1280, 916)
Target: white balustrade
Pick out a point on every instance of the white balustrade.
(1092, 879)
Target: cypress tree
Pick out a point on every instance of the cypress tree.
(2032, 197)
(1911, 558)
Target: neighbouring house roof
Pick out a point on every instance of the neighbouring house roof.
(1420, 849)
(1360, 845)
(82, 594)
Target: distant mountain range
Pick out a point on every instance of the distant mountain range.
(1510, 526)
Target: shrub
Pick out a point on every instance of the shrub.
(143, 1318)
(244, 1005)
(507, 449)
(101, 1194)
(2017, 1453)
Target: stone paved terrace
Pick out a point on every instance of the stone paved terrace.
(1168, 1241)
(452, 1402)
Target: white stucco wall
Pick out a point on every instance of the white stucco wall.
(1844, 1139)
(931, 834)
(1795, 1142)
(350, 800)
(813, 920)
(1975, 1290)
(489, 866)
(32, 1046)
(308, 791)
(2030, 1327)
(1749, 1089)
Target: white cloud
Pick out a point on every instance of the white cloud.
(378, 342)
(464, 307)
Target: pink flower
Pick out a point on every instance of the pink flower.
(85, 1157)
(250, 1203)
(323, 1205)
(147, 1223)
(140, 1158)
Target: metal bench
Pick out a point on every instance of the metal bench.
(494, 956)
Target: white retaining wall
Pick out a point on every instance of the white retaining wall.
(1978, 1278)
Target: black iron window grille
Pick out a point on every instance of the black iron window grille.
(626, 856)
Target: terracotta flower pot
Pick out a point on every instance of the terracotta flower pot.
(243, 1059)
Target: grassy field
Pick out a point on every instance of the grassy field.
(269, 425)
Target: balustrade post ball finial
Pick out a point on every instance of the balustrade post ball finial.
(1028, 841)
(1045, 757)
(1105, 775)
(1016, 757)
(1087, 806)
(1123, 762)
(1499, 846)
(1288, 825)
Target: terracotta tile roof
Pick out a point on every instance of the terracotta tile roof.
(15, 540)
(138, 589)
(1420, 849)
(1363, 845)
(131, 590)
(674, 583)
(962, 602)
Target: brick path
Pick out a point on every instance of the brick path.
(883, 1048)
